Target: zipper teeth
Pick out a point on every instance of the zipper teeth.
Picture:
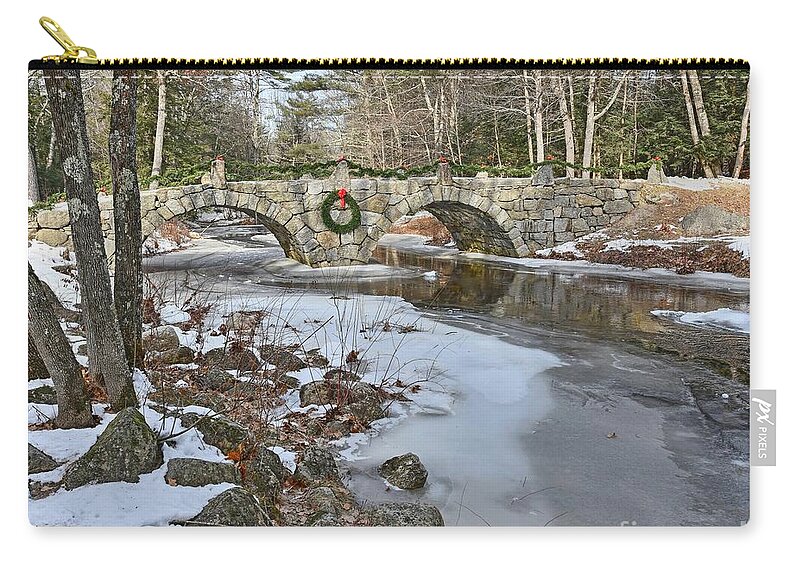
(367, 62)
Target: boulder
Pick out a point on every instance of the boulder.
(227, 359)
(53, 238)
(188, 472)
(711, 220)
(42, 395)
(282, 359)
(544, 176)
(244, 391)
(329, 392)
(55, 218)
(39, 461)
(323, 519)
(234, 507)
(655, 174)
(180, 355)
(404, 471)
(365, 411)
(160, 339)
(217, 379)
(264, 474)
(317, 465)
(126, 449)
(339, 375)
(316, 360)
(219, 431)
(244, 321)
(404, 514)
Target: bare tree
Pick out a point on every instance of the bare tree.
(104, 339)
(161, 122)
(568, 122)
(592, 118)
(687, 97)
(737, 169)
(702, 118)
(74, 409)
(34, 193)
(127, 214)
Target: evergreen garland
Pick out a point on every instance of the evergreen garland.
(355, 211)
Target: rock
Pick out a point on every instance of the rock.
(160, 339)
(180, 355)
(42, 395)
(53, 238)
(241, 360)
(218, 431)
(244, 390)
(339, 375)
(544, 176)
(264, 474)
(282, 359)
(656, 174)
(328, 392)
(54, 218)
(336, 429)
(39, 461)
(323, 500)
(234, 507)
(244, 321)
(711, 220)
(617, 207)
(404, 471)
(316, 360)
(365, 411)
(585, 201)
(404, 514)
(655, 196)
(126, 449)
(188, 472)
(323, 519)
(284, 380)
(316, 465)
(217, 379)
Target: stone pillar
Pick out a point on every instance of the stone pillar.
(544, 176)
(218, 173)
(656, 173)
(443, 174)
(341, 175)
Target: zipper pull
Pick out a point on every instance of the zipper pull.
(72, 52)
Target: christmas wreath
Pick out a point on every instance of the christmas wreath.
(345, 199)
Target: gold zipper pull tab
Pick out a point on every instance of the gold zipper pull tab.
(72, 52)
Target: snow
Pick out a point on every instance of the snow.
(700, 184)
(624, 244)
(43, 258)
(172, 314)
(430, 276)
(567, 247)
(724, 318)
(742, 245)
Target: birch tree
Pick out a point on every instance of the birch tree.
(127, 214)
(737, 169)
(34, 193)
(702, 118)
(592, 118)
(161, 122)
(568, 122)
(104, 339)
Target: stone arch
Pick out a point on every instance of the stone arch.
(170, 203)
(475, 223)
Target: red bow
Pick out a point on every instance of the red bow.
(342, 193)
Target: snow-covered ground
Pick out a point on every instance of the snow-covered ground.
(700, 184)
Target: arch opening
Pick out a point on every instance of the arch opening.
(472, 229)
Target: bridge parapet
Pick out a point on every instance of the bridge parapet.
(503, 216)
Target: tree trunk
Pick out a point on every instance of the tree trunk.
(51, 149)
(528, 115)
(127, 215)
(737, 169)
(702, 119)
(566, 119)
(588, 137)
(161, 121)
(687, 97)
(34, 194)
(74, 409)
(537, 117)
(104, 339)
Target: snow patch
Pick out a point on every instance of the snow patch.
(727, 319)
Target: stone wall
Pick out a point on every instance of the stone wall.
(503, 216)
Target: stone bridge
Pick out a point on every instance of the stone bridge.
(503, 216)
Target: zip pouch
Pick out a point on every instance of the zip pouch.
(387, 293)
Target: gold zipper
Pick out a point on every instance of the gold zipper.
(74, 54)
